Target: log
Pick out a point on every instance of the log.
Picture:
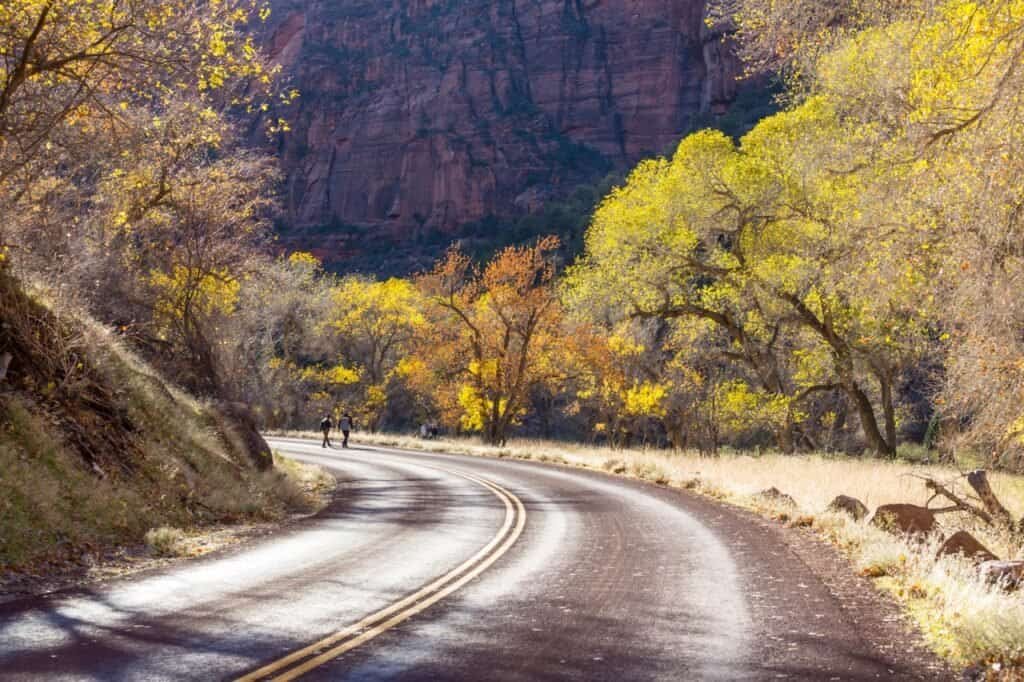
(939, 490)
(5, 363)
(978, 480)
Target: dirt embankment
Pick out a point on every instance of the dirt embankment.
(96, 449)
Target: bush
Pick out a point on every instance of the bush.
(166, 541)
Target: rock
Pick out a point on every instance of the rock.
(237, 426)
(962, 542)
(422, 116)
(723, 66)
(904, 518)
(776, 496)
(1009, 574)
(848, 505)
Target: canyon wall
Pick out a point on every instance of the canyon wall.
(425, 115)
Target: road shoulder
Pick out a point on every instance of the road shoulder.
(107, 564)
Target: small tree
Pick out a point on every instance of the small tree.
(500, 326)
(375, 325)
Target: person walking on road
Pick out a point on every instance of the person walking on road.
(325, 425)
(345, 424)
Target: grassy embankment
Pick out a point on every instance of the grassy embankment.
(964, 619)
(110, 452)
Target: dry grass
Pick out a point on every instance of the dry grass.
(964, 619)
(176, 469)
(166, 541)
(304, 488)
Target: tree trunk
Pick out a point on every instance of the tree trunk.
(868, 421)
(675, 430)
(785, 437)
(492, 430)
(840, 422)
(888, 410)
(979, 481)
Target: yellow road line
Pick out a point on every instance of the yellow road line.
(371, 626)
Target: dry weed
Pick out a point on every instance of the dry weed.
(166, 541)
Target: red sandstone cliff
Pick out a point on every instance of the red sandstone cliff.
(428, 114)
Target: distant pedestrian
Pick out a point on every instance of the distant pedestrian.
(345, 424)
(325, 426)
(424, 431)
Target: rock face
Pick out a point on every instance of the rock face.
(423, 115)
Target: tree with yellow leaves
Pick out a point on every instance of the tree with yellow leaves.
(935, 85)
(73, 74)
(200, 242)
(766, 241)
(375, 325)
(499, 328)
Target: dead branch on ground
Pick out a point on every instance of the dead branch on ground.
(991, 511)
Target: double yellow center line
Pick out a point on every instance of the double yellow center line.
(327, 649)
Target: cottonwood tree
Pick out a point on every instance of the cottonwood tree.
(766, 241)
(938, 82)
(275, 331)
(70, 72)
(374, 326)
(963, 121)
(119, 167)
(790, 36)
(206, 233)
(497, 328)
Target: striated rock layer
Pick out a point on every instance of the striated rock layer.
(424, 115)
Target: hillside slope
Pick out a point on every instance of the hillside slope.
(95, 448)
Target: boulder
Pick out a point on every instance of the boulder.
(962, 542)
(776, 496)
(904, 518)
(1009, 574)
(237, 426)
(848, 505)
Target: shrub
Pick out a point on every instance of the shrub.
(166, 541)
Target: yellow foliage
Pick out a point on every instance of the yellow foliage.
(304, 259)
(742, 408)
(645, 399)
(189, 291)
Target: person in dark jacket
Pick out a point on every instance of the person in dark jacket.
(325, 426)
(345, 424)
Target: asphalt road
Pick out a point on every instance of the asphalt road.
(437, 567)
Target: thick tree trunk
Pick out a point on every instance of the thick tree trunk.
(979, 481)
(868, 421)
(785, 438)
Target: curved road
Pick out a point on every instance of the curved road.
(429, 567)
